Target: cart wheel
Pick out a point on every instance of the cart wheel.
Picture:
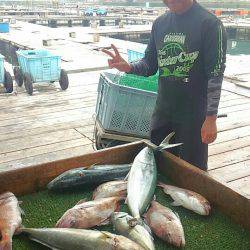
(8, 82)
(64, 80)
(28, 83)
(18, 76)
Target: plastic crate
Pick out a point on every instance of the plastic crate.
(42, 65)
(124, 110)
(134, 55)
(1, 68)
(4, 27)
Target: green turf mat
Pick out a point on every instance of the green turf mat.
(214, 232)
(140, 82)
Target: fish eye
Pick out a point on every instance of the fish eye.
(72, 223)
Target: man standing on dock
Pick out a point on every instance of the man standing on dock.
(188, 47)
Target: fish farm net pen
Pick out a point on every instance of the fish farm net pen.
(215, 231)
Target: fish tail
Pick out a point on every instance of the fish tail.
(165, 144)
(6, 242)
(118, 206)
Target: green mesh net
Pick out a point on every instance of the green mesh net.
(139, 82)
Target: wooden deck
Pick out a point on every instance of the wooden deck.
(54, 124)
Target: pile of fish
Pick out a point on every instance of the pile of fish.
(135, 184)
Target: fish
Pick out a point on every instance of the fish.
(89, 214)
(10, 219)
(80, 177)
(138, 233)
(165, 224)
(111, 189)
(79, 239)
(142, 179)
(188, 199)
(109, 167)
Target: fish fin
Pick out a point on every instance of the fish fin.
(104, 222)
(126, 177)
(91, 166)
(167, 139)
(175, 204)
(160, 184)
(21, 211)
(146, 226)
(117, 208)
(18, 230)
(41, 242)
(177, 215)
(167, 146)
(106, 234)
(81, 201)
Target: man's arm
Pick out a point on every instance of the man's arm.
(148, 65)
(214, 51)
(215, 46)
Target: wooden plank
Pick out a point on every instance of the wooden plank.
(232, 172)
(53, 108)
(43, 149)
(48, 157)
(39, 140)
(228, 146)
(242, 186)
(14, 101)
(229, 125)
(81, 112)
(48, 122)
(235, 108)
(231, 97)
(232, 134)
(187, 176)
(229, 158)
(236, 117)
(234, 102)
(45, 129)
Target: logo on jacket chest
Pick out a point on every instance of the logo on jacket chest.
(173, 58)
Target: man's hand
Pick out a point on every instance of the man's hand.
(116, 60)
(209, 130)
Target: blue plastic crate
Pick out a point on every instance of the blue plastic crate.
(42, 65)
(1, 68)
(4, 27)
(124, 110)
(134, 55)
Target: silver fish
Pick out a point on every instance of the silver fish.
(80, 239)
(165, 224)
(187, 199)
(137, 233)
(111, 189)
(143, 177)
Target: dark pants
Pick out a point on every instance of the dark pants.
(192, 150)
